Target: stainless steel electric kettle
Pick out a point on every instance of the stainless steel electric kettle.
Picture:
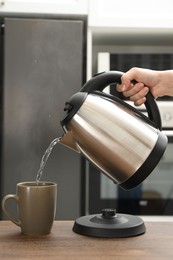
(119, 140)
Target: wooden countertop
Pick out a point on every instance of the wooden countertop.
(63, 243)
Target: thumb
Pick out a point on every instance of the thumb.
(121, 88)
(125, 84)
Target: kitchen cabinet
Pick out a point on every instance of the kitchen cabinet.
(43, 60)
(130, 14)
(45, 6)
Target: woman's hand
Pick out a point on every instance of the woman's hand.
(159, 83)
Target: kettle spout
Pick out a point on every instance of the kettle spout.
(68, 140)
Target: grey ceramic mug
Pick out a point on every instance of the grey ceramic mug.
(36, 204)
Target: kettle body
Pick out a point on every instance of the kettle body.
(115, 137)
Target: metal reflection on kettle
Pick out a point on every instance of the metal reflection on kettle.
(115, 137)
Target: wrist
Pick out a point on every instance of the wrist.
(165, 81)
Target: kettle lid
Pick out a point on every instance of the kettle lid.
(72, 106)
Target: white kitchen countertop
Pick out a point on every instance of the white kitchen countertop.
(157, 218)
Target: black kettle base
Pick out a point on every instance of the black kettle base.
(109, 225)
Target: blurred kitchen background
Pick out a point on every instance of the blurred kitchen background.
(48, 49)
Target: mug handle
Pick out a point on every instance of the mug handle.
(6, 212)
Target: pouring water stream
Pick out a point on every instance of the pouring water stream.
(45, 158)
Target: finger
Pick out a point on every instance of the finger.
(142, 93)
(135, 89)
(125, 86)
(140, 101)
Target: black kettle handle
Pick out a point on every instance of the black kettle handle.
(101, 80)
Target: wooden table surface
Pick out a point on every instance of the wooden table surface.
(63, 243)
